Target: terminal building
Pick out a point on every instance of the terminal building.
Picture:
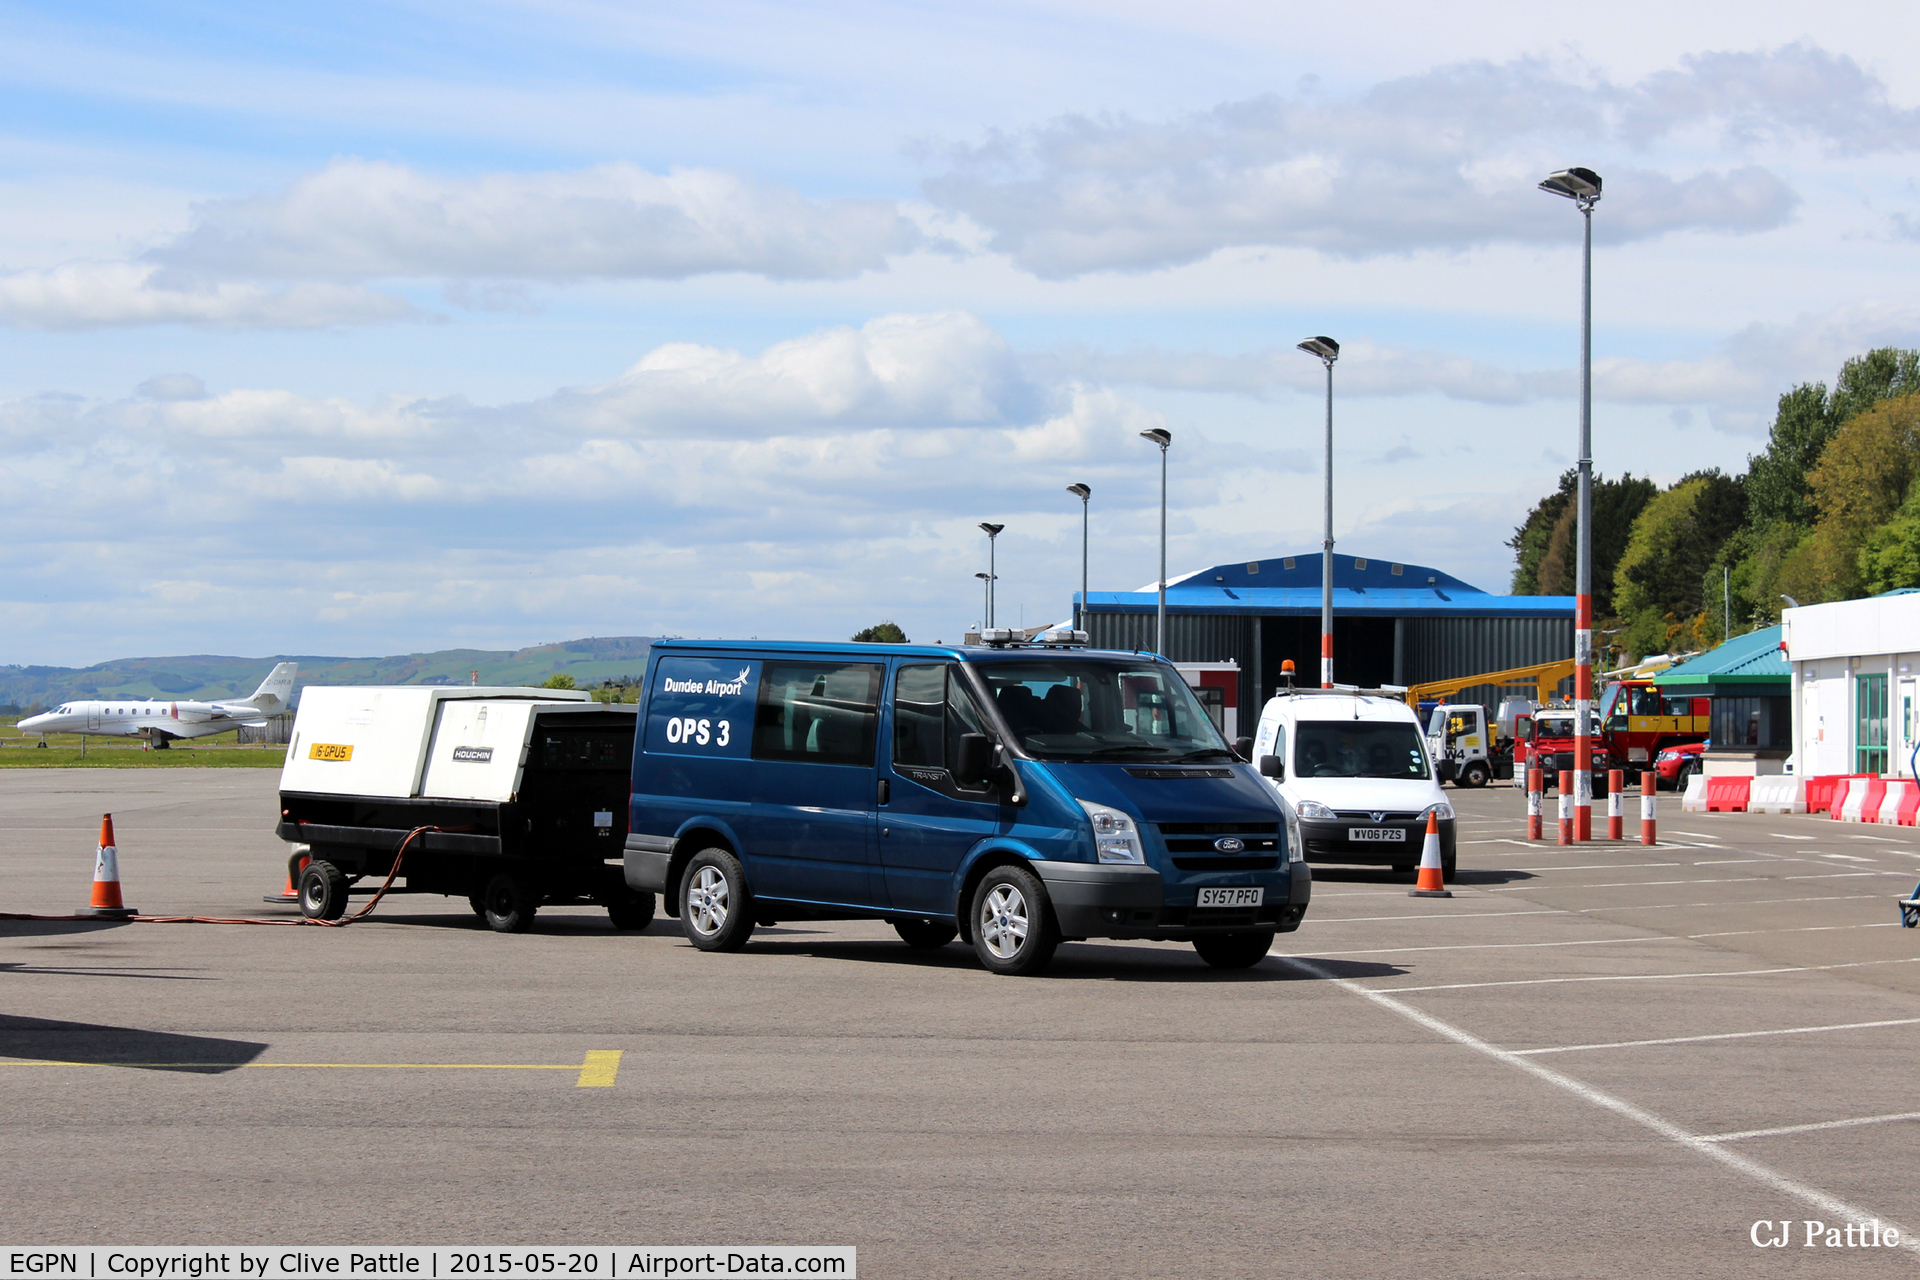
(1393, 623)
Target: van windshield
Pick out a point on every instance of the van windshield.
(1085, 709)
(1358, 749)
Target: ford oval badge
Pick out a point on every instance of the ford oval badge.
(1229, 844)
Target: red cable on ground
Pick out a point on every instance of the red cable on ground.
(398, 854)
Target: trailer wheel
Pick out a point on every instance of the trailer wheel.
(1475, 774)
(323, 891)
(716, 911)
(629, 910)
(509, 904)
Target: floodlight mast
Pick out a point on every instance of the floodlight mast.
(1162, 437)
(1083, 493)
(1328, 350)
(993, 574)
(1582, 186)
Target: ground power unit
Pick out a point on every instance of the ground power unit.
(525, 789)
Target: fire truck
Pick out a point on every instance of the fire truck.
(1638, 722)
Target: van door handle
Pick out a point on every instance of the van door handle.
(885, 792)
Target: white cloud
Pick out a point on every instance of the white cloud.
(85, 295)
(1446, 160)
(363, 220)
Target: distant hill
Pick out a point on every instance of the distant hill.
(201, 676)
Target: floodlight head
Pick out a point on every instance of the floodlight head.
(993, 530)
(987, 576)
(1159, 435)
(1575, 184)
(1080, 491)
(1324, 347)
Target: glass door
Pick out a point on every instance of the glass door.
(1870, 724)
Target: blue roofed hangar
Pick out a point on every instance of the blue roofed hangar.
(1394, 622)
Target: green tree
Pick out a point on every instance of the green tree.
(883, 633)
(1862, 479)
(1544, 547)
(1659, 587)
(1890, 557)
(559, 680)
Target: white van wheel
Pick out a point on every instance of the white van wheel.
(1013, 927)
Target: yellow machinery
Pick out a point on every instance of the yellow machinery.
(1544, 677)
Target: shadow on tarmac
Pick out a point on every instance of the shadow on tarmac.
(45, 1040)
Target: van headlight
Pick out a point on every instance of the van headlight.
(1116, 837)
(1442, 811)
(1314, 809)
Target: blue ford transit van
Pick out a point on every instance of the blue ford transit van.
(1012, 795)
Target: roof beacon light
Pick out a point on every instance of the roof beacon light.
(996, 636)
(1063, 635)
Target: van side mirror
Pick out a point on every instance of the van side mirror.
(1243, 747)
(1273, 767)
(974, 760)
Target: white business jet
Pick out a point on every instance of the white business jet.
(161, 722)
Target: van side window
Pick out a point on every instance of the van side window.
(930, 712)
(821, 712)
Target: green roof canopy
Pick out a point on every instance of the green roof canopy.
(1752, 664)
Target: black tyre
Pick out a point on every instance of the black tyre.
(716, 910)
(323, 891)
(1013, 926)
(925, 935)
(1682, 776)
(1405, 868)
(479, 905)
(1235, 950)
(508, 903)
(1475, 774)
(1446, 868)
(629, 909)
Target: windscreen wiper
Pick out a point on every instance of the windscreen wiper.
(1208, 753)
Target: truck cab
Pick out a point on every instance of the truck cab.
(1466, 748)
(1640, 722)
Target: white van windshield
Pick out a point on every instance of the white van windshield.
(1084, 709)
(1357, 749)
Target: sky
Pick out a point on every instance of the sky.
(382, 327)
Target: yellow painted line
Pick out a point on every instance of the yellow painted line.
(599, 1069)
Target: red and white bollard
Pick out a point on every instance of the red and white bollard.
(1534, 785)
(1647, 788)
(1566, 806)
(1616, 779)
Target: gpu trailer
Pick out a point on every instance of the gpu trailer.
(525, 789)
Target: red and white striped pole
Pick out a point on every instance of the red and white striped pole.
(1616, 779)
(1566, 805)
(1534, 785)
(1647, 788)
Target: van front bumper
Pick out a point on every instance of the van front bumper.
(1331, 840)
(1104, 901)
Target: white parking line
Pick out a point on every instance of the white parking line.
(1601, 866)
(1808, 1128)
(1781, 835)
(1643, 977)
(1879, 839)
(1725, 1035)
(1494, 946)
(1699, 835)
(1809, 1195)
(1729, 862)
(1816, 928)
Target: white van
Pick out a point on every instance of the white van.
(1354, 767)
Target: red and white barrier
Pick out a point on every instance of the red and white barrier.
(1887, 801)
(1728, 795)
(1649, 789)
(1694, 800)
(1616, 779)
(1534, 784)
(1777, 793)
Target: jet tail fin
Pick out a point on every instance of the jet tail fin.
(275, 691)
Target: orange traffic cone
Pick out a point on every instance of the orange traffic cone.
(106, 904)
(290, 896)
(1432, 883)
